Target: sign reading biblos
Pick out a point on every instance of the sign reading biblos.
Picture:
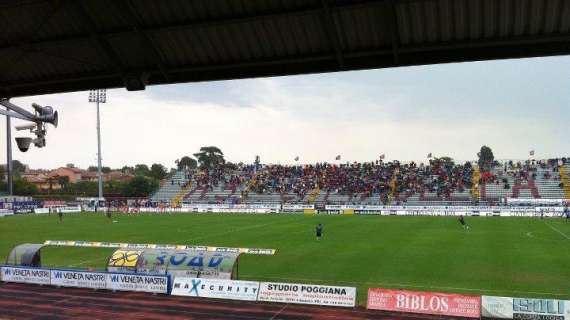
(424, 302)
(215, 288)
(307, 294)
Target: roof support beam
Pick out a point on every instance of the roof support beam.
(27, 49)
(394, 29)
(331, 29)
(188, 25)
(133, 18)
(112, 57)
(409, 51)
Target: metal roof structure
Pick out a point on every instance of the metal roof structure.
(49, 46)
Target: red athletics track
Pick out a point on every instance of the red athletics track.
(23, 301)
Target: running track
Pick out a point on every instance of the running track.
(23, 301)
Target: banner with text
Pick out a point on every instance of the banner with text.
(78, 279)
(524, 308)
(25, 275)
(424, 302)
(134, 282)
(215, 288)
(307, 294)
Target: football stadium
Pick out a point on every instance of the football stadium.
(309, 235)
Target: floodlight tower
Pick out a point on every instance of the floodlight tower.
(98, 96)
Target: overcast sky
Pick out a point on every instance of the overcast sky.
(452, 109)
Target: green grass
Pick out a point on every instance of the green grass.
(500, 256)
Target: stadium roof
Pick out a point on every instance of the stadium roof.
(49, 46)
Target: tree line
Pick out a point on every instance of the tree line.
(146, 179)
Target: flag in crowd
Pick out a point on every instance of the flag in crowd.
(297, 158)
(531, 152)
(337, 157)
(429, 155)
(382, 156)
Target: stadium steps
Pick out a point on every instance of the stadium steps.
(476, 177)
(178, 199)
(313, 195)
(393, 183)
(547, 184)
(203, 194)
(563, 171)
(326, 198)
(169, 190)
(520, 188)
(190, 193)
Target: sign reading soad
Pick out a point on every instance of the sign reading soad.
(25, 275)
(523, 308)
(78, 279)
(307, 294)
(424, 302)
(133, 282)
(215, 288)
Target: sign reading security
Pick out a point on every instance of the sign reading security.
(215, 288)
(25, 275)
(525, 308)
(307, 294)
(78, 279)
(134, 282)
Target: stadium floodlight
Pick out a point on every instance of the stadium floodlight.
(98, 96)
(40, 117)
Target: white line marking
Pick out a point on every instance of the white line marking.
(255, 226)
(278, 312)
(330, 281)
(561, 233)
(83, 262)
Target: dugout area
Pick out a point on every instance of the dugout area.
(181, 263)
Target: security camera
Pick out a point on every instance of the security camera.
(23, 143)
(39, 142)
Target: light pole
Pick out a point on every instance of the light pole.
(9, 155)
(98, 96)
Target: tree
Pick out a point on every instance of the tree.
(186, 163)
(210, 157)
(24, 188)
(63, 181)
(105, 169)
(85, 188)
(2, 174)
(93, 169)
(158, 171)
(142, 170)
(128, 170)
(140, 186)
(18, 167)
(486, 158)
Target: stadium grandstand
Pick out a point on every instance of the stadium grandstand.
(440, 182)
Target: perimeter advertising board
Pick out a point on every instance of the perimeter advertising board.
(78, 279)
(134, 282)
(424, 302)
(307, 294)
(525, 308)
(215, 288)
(25, 275)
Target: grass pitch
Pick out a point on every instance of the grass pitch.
(522, 257)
